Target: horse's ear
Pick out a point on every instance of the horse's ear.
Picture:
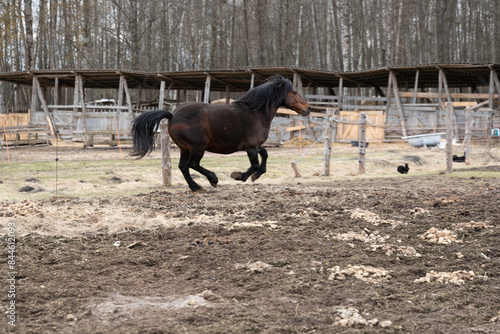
(275, 78)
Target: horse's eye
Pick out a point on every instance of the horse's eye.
(294, 93)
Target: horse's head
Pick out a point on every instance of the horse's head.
(297, 103)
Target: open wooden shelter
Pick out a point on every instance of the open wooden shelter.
(399, 100)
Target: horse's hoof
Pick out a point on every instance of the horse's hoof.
(255, 176)
(213, 184)
(195, 188)
(237, 176)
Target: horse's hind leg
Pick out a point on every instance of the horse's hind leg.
(194, 163)
(262, 168)
(253, 156)
(184, 167)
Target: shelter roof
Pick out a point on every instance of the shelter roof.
(238, 79)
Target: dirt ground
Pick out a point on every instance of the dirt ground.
(346, 256)
(380, 253)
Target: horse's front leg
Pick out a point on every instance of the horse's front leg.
(253, 156)
(262, 168)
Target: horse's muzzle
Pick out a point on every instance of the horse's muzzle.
(305, 112)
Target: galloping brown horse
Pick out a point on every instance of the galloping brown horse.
(242, 126)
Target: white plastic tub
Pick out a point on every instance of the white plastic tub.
(430, 139)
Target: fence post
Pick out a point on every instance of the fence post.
(467, 135)
(295, 169)
(449, 137)
(362, 142)
(327, 135)
(166, 162)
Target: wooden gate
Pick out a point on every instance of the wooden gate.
(348, 125)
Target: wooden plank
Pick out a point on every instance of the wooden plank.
(430, 109)
(427, 95)
(286, 111)
(299, 127)
(353, 107)
(364, 98)
(464, 104)
(71, 106)
(321, 97)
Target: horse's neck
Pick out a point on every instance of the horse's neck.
(271, 113)
(265, 116)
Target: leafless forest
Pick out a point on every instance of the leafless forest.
(163, 35)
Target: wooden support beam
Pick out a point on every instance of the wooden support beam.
(206, 95)
(297, 83)
(415, 87)
(139, 97)
(173, 81)
(214, 78)
(362, 142)
(379, 91)
(389, 95)
(161, 96)
(448, 96)
(257, 75)
(44, 106)
(34, 96)
(128, 98)
(81, 93)
(166, 160)
(445, 85)
(440, 90)
(449, 137)
(57, 91)
(492, 88)
(467, 135)
(398, 103)
(496, 82)
(119, 99)
(341, 93)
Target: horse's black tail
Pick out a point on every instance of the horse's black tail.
(144, 129)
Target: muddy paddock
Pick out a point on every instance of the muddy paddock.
(415, 254)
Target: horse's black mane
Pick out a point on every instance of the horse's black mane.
(268, 95)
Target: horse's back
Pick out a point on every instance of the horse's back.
(220, 128)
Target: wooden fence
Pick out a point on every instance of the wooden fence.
(14, 120)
